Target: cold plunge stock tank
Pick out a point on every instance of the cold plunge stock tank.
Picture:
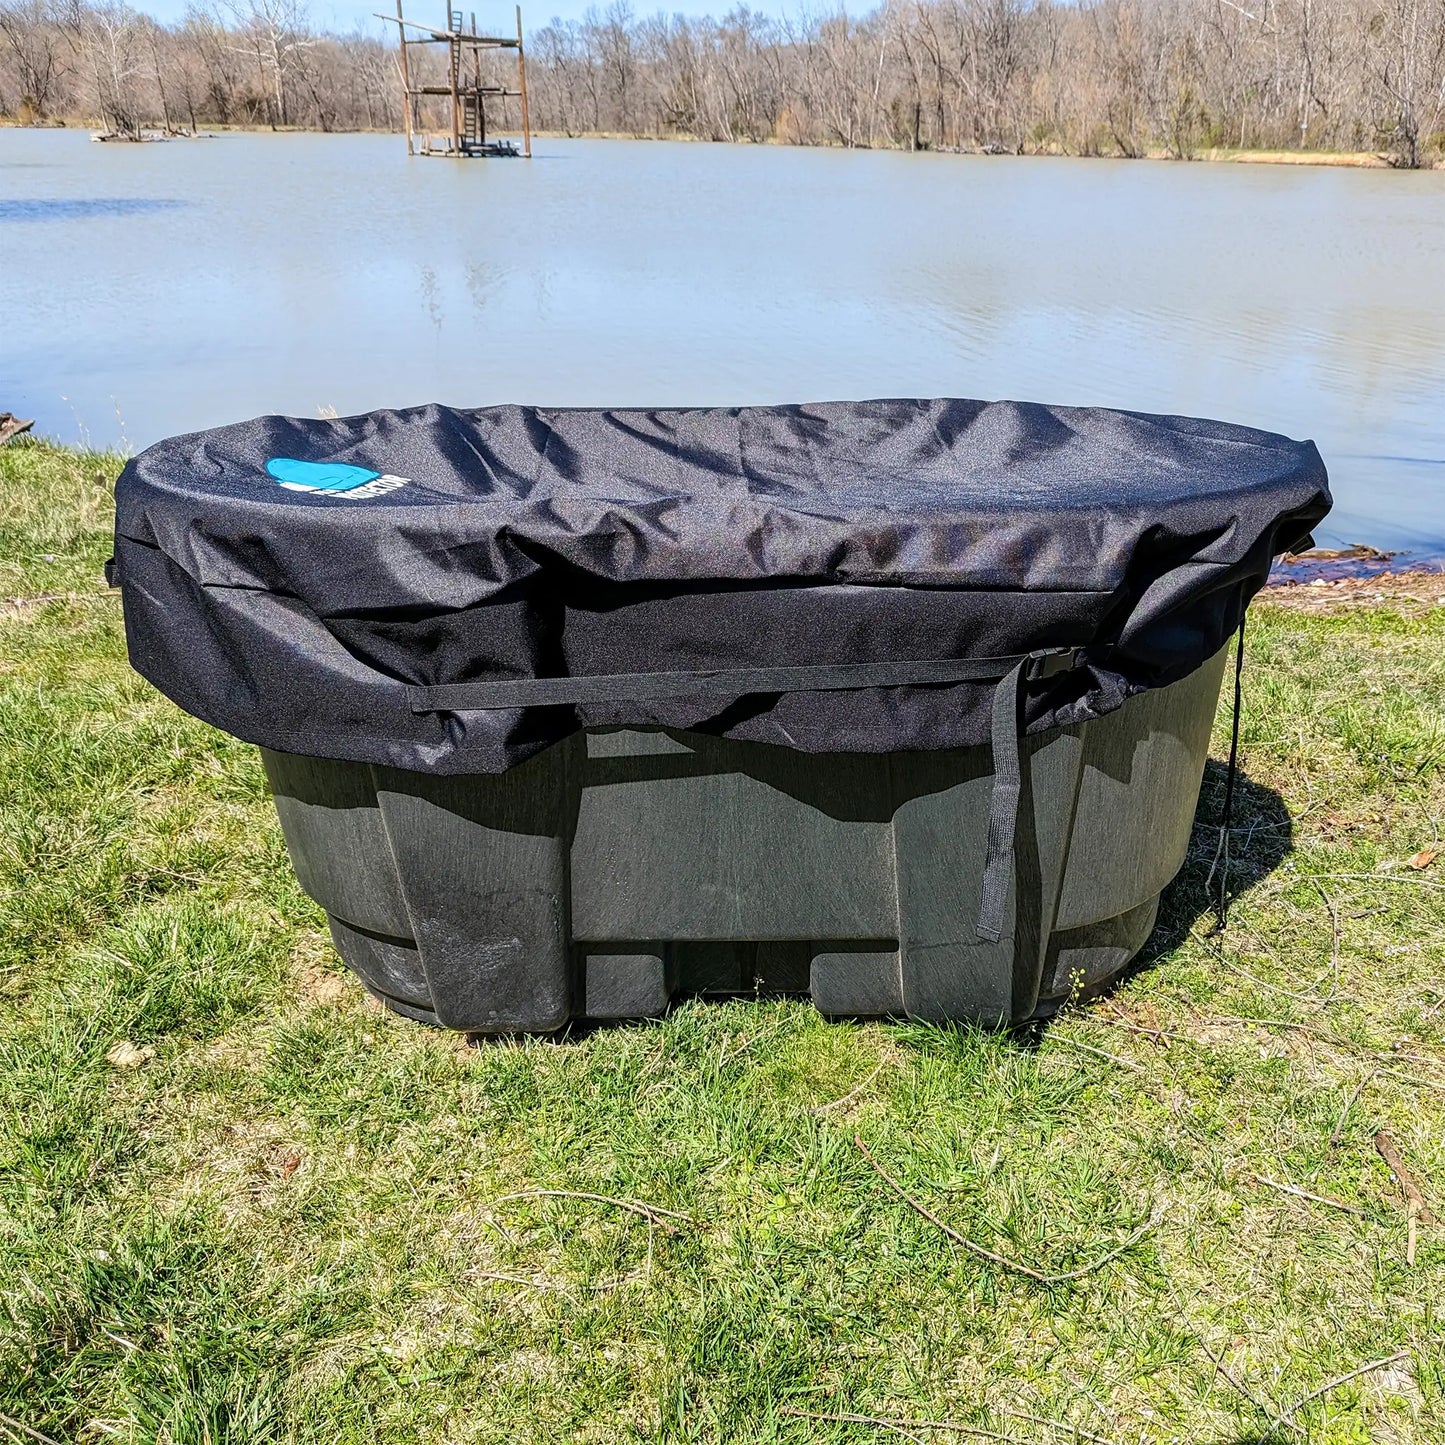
(902, 703)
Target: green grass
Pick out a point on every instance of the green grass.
(288, 1221)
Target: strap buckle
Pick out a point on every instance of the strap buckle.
(1051, 661)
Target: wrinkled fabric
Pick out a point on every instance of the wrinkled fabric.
(515, 542)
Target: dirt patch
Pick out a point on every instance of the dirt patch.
(1413, 593)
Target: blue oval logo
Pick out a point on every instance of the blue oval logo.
(336, 479)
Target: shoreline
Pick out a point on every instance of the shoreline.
(1350, 160)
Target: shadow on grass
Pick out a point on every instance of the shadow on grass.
(1262, 835)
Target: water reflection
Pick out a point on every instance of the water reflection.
(77, 209)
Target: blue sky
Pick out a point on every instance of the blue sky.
(346, 14)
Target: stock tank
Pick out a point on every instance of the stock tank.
(902, 704)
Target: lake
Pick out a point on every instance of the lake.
(151, 289)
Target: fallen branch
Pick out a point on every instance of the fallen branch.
(649, 1212)
(1346, 1377)
(1002, 1260)
(1416, 1208)
(1305, 1194)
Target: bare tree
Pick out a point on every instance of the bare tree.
(1405, 43)
(277, 35)
(1084, 77)
(37, 51)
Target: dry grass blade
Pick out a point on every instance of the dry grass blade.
(24, 1429)
(1384, 878)
(1305, 1194)
(1412, 1080)
(1337, 1134)
(850, 1095)
(1346, 1377)
(649, 1212)
(1099, 1053)
(999, 1259)
(899, 1427)
(1335, 936)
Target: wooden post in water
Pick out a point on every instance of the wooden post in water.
(454, 55)
(408, 100)
(522, 89)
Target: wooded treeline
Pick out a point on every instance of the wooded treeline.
(1097, 77)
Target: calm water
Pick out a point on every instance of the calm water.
(151, 289)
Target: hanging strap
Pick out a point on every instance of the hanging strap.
(1220, 863)
(1013, 671)
(1003, 807)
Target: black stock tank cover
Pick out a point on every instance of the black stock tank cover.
(840, 577)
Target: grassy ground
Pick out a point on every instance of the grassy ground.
(240, 1204)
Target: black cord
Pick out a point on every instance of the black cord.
(1221, 851)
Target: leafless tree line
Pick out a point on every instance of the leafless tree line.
(1096, 77)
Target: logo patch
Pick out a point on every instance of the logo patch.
(332, 479)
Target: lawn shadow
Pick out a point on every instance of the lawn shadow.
(1261, 836)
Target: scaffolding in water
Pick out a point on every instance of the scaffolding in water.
(464, 95)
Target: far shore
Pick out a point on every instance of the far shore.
(1360, 160)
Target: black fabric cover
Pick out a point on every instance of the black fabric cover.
(515, 542)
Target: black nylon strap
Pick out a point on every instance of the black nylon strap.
(490, 695)
(998, 870)
(1003, 807)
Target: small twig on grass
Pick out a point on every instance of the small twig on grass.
(649, 1212)
(899, 1427)
(1277, 1420)
(1243, 972)
(1415, 1208)
(1390, 1153)
(1334, 939)
(1411, 1079)
(1321, 1034)
(1099, 1053)
(1385, 878)
(1282, 1422)
(1063, 1426)
(999, 1259)
(1161, 1037)
(25, 1429)
(1305, 1194)
(1346, 1377)
(545, 1284)
(1337, 1134)
(851, 1094)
